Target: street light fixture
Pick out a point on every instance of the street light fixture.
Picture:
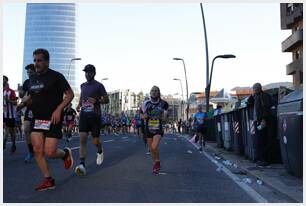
(225, 56)
(104, 79)
(180, 59)
(73, 59)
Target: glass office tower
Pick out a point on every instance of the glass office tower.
(52, 26)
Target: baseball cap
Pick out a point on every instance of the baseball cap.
(89, 68)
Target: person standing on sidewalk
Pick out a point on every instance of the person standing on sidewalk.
(47, 89)
(155, 114)
(28, 115)
(262, 116)
(9, 113)
(93, 94)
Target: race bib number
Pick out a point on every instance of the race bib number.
(153, 124)
(87, 107)
(200, 121)
(30, 114)
(42, 124)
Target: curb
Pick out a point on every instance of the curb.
(264, 180)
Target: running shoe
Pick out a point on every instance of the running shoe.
(156, 167)
(47, 184)
(100, 158)
(80, 170)
(29, 158)
(68, 162)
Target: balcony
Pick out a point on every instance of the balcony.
(290, 14)
(293, 41)
(296, 65)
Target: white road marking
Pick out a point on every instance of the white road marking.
(251, 192)
(16, 142)
(125, 137)
(111, 140)
(74, 148)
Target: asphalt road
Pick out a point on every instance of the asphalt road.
(125, 176)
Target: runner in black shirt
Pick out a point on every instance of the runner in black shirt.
(28, 115)
(155, 113)
(47, 88)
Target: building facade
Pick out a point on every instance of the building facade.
(53, 26)
(123, 100)
(292, 18)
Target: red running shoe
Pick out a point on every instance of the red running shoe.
(47, 184)
(68, 162)
(156, 167)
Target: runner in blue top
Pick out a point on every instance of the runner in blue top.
(123, 123)
(199, 125)
(138, 121)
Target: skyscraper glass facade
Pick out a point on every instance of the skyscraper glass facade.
(52, 26)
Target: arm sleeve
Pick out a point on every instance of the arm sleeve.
(102, 90)
(266, 105)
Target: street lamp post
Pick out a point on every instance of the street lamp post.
(207, 59)
(174, 108)
(186, 83)
(225, 56)
(73, 59)
(182, 95)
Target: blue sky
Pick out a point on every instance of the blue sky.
(133, 44)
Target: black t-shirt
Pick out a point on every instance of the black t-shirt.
(69, 114)
(26, 86)
(47, 91)
(95, 90)
(155, 112)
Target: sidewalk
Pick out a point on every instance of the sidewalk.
(274, 176)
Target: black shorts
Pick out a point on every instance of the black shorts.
(90, 123)
(11, 123)
(151, 134)
(200, 129)
(55, 130)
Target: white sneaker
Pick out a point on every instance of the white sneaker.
(80, 170)
(100, 158)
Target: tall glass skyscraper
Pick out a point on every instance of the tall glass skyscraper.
(52, 26)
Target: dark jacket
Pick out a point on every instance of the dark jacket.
(262, 103)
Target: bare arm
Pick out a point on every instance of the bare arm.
(69, 95)
(56, 116)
